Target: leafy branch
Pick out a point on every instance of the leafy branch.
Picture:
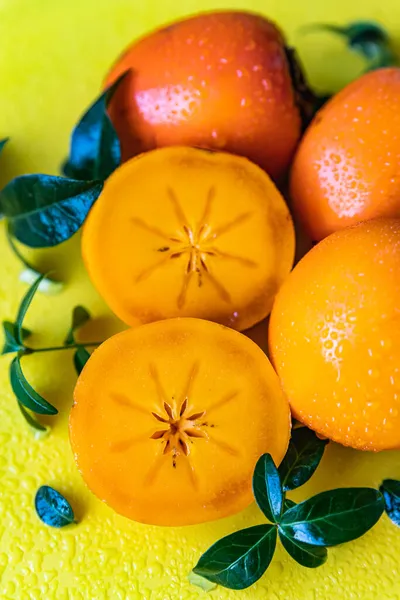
(30, 402)
(305, 530)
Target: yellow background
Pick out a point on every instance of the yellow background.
(53, 54)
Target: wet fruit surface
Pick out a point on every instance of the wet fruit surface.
(185, 232)
(170, 418)
(334, 336)
(219, 80)
(347, 167)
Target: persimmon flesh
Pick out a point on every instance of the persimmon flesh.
(170, 418)
(183, 232)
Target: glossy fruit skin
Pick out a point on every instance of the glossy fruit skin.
(219, 80)
(131, 457)
(184, 232)
(347, 167)
(334, 336)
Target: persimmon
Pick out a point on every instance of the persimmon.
(187, 232)
(347, 167)
(170, 418)
(221, 80)
(335, 336)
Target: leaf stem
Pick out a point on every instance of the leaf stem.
(56, 348)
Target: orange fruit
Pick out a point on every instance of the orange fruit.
(334, 336)
(222, 80)
(182, 232)
(170, 418)
(347, 168)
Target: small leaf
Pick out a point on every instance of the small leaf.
(333, 517)
(32, 422)
(25, 393)
(287, 503)
(390, 489)
(44, 210)
(81, 356)
(204, 584)
(10, 340)
(305, 554)
(240, 559)
(52, 508)
(302, 458)
(95, 148)
(23, 308)
(3, 143)
(267, 488)
(80, 316)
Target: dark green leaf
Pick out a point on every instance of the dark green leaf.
(52, 508)
(44, 210)
(240, 559)
(23, 307)
(3, 143)
(305, 554)
(95, 148)
(80, 316)
(287, 503)
(10, 338)
(81, 356)
(30, 419)
(25, 393)
(333, 517)
(267, 488)
(201, 582)
(390, 489)
(302, 458)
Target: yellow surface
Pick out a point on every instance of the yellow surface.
(53, 56)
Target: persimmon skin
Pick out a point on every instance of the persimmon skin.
(334, 336)
(347, 167)
(217, 80)
(187, 471)
(184, 232)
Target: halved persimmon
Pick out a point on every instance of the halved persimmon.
(184, 232)
(170, 418)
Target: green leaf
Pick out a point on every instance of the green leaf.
(25, 393)
(44, 210)
(95, 148)
(10, 338)
(204, 584)
(240, 559)
(81, 356)
(305, 554)
(3, 143)
(267, 488)
(390, 489)
(52, 508)
(302, 458)
(30, 419)
(333, 517)
(80, 316)
(23, 307)
(287, 503)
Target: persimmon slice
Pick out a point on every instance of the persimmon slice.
(170, 418)
(182, 232)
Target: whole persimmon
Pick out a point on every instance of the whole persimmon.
(347, 167)
(184, 232)
(170, 418)
(221, 80)
(334, 336)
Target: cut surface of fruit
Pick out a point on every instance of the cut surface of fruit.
(170, 418)
(187, 232)
(334, 336)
